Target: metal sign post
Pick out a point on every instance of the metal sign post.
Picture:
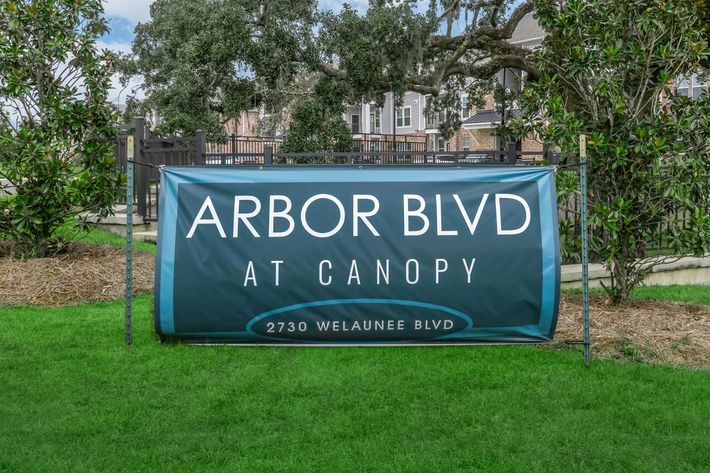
(585, 246)
(129, 252)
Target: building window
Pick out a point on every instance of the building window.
(442, 145)
(431, 121)
(355, 124)
(694, 86)
(404, 117)
(700, 86)
(464, 107)
(466, 142)
(375, 121)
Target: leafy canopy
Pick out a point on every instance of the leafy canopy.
(204, 61)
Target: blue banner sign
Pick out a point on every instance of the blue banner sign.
(381, 255)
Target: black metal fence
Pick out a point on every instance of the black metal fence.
(365, 142)
(150, 151)
(238, 149)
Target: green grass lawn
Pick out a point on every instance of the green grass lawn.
(695, 294)
(101, 237)
(74, 398)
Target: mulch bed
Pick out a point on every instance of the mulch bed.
(649, 331)
(81, 273)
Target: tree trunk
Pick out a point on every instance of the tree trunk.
(624, 277)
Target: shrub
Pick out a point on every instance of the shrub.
(56, 127)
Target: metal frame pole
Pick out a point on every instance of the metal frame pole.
(585, 247)
(129, 252)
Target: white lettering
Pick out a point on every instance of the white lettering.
(517, 198)
(354, 274)
(246, 216)
(207, 205)
(416, 271)
(320, 272)
(277, 265)
(440, 269)
(471, 225)
(439, 225)
(273, 215)
(384, 271)
(358, 215)
(250, 276)
(414, 213)
(304, 211)
(469, 269)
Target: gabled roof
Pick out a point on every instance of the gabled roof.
(487, 118)
(483, 116)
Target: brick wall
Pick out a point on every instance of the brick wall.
(531, 144)
(479, 140)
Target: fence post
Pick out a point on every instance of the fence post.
(122, 150)
(511, 155)
(233, 146)
(585, 249)
(200, 142)
(552, 156)
(268, 155)
(142, 180)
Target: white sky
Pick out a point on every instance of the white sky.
(139, 10)
(132, 10)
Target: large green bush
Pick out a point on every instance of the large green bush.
(607, 69)
(56, 127)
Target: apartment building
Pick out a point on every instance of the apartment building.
(377, 127)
